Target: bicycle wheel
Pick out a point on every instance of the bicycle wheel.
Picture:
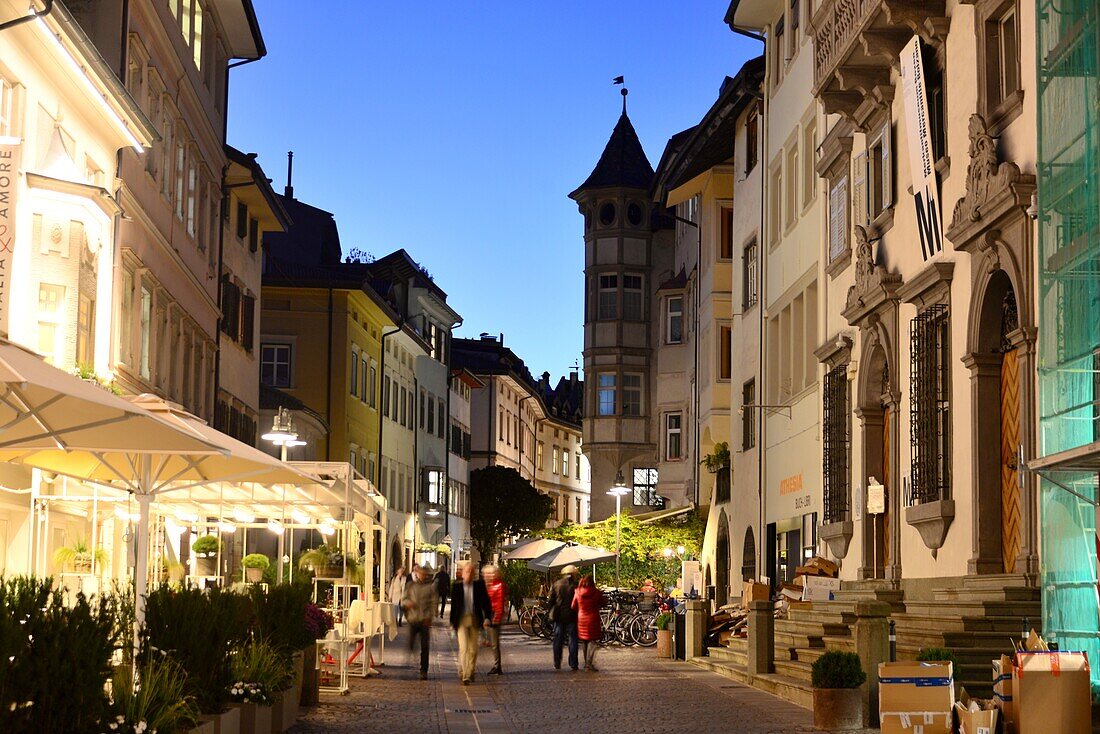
(526, 621)
(643, 629)
(544, 628)
(622, 631)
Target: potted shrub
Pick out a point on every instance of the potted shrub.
(327, 562)
(254, 566)
(838, 702)
(664, 634)
(79, 557)
(206, 548)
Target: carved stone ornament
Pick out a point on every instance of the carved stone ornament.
(871, 279)
(986, 176)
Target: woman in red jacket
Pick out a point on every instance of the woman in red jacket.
(587, 601)
(498, 595)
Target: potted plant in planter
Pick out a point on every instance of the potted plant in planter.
(259, 672)
(80, 557)
(206, 548)
(664, 634)
(718, 458)
(160, 703)
(254, 566)
(838, 703)
(327, 562)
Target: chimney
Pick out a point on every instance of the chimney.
(289, 190)
(544, 383)
(573, 378)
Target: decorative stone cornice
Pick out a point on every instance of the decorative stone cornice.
(836, 350)
(930, 285)
(874, 286)
(994, 189)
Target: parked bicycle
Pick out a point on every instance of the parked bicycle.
(534, 618)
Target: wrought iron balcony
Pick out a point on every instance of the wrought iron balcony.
(857, 41)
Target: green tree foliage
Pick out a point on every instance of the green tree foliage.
(643, 545)
(504, 503)
(522, 582)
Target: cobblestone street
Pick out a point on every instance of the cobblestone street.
(632, 693)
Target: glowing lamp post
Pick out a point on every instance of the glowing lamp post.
(618, 491)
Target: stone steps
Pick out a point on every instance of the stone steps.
(726, 654)
(793, 690)
(796, 669)
(962, 624)
(975, 608)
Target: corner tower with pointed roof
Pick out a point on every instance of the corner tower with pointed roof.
(620, 225)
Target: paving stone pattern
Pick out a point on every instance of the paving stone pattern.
(633, 693)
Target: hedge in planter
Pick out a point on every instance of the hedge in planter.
(198, 629)
(56, 658)
(280, 616)
(255, 564)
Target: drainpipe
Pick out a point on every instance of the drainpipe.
(328, 380)
(762, 288)
(382, 404)
(29, 17)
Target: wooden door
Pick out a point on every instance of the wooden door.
(1010, 440)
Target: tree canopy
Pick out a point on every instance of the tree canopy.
(643, 545)
(504, 503)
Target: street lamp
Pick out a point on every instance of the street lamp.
(283, 435)
(617, 491)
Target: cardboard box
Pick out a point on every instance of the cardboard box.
(1050, 692)
(817, 588)
(791, 592)
(827, 567)
(1002, 692)
(981, 721)
(916, 698)
(754, 591)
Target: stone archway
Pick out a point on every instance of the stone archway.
(994, 363)
(874, 408)
(722, 561)
(397, 556)
(748, 556)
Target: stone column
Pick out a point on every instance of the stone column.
(985, 462)
(872, 639)
(761, 637)
(695, 628)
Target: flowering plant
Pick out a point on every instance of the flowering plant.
(317, 621)
(245, 692)
(122, 726)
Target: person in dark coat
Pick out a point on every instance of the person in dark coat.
(587, 601)
(471, 609)
(442, 588)
(563, 616)
(419, 606)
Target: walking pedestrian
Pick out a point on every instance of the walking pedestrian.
(498, 597)
(470, 611)
(442, 587)
(419, 603)
(587, 601)
(397, 592)
(563, 616)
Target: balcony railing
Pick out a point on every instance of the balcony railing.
(838, 25)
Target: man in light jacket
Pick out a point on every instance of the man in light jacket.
(471, 610)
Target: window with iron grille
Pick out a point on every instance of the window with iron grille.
(645, 488)
(930, 407)
(836, 440)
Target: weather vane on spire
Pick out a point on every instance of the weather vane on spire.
(624, 91)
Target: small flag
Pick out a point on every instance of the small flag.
(618, 80)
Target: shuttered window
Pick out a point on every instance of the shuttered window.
(838, 218)
(248, 321)
(859, 190)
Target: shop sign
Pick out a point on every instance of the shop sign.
(9, 174)
(922, 164)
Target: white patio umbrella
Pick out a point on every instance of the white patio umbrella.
(532, 548)
(189, 454)
(570, 554)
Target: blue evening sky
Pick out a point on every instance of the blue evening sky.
(456, 130)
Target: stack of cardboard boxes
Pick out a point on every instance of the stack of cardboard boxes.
(1039, 690)
(816, 581)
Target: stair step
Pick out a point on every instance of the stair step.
(796, 691)
(726, 654)
(922, 623)
(844, 643)
(741, 644)
(979, 608)
(796, 669)
(724, 668)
